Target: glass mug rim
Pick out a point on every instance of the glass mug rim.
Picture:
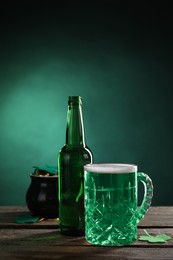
(111, 168)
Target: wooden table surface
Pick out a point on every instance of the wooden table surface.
(42, 240)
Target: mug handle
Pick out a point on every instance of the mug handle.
(148, 194)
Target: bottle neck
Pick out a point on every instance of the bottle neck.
(75, 128)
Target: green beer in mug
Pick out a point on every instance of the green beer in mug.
(111, 198)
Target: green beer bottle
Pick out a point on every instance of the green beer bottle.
(71, 160)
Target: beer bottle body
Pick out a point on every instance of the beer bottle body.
(71, 160)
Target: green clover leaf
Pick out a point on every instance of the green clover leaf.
(161, 238)
(26, 218)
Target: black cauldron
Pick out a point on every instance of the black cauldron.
(42, 196)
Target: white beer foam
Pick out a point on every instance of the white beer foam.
(111, 168)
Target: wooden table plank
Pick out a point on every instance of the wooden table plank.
(52, 237)
(9, 214)
(158, 217)
(155, 217)
(87, 253)
(32, 244)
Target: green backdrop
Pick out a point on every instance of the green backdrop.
(117, 60)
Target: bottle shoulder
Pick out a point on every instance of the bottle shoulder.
(76, 152)
(67, 148)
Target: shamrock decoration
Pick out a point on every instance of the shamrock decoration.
(161, 238)
(26, 218)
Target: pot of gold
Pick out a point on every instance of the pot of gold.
(42, 194)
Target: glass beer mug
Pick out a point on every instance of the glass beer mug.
(111, 212)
